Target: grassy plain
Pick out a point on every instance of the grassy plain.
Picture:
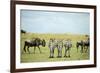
(44, 56)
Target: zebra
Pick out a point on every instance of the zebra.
(59, 48)
(67, 45)
(52, 45)
(55, 44)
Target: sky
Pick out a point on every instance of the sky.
(36, 21)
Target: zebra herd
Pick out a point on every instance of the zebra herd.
(67, 44)
(59, 45)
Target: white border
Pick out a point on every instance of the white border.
(52, 64)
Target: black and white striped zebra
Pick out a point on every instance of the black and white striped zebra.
(58, 44)
(52, 45)
(59, 48)
(67, 45)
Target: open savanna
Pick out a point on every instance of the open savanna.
(44, 56)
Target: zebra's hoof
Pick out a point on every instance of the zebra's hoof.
(51, 57)
(65, 56)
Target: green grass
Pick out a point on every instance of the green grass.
(44, 56)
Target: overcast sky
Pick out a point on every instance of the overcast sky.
(55, 22)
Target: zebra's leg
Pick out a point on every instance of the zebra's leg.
(65, 52)
(68, 52)
(51, 53)
(60, 52)
(39, 49)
